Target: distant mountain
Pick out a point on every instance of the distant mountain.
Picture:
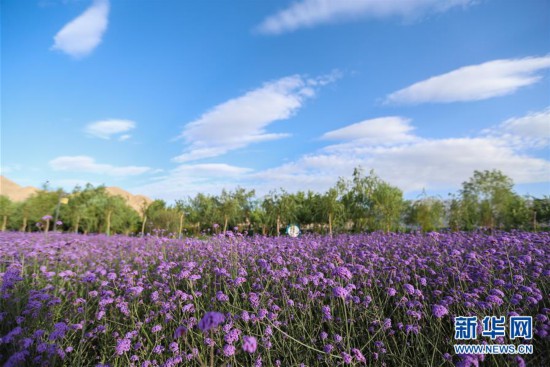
(13, 191)
(135, 201)
(18, 193)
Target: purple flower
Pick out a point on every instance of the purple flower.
(391, 292)
(340, 292)
(409, 288)
(158, 349)
(228, 350)
(343, 273)
(346, 357)
(254, 299)
(123, 346)
(211, 320)
(17, 359)
(180, 331)
(249, 344)
(59, 331)
(358, 355)
(220, 296)
(155, 329)
(326, 313)
(47, 217)
(439, 311)
(232, 336)
(11, 276)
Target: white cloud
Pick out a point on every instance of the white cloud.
(412, 163)
(124, 137)
(190, 179)
(415, 163)
(429, 164)
(476, 82)
(106, 128)
(243, 120)
(529, 131)
(309, 13)
(88, 164)
(210, 169)
(383, 130)
(83, 34)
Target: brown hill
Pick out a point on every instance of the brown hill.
(13, 191)
(17, 193)
(135, 201)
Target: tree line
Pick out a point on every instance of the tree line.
(357, 204)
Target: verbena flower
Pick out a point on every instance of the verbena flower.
(340, 292)
(123, 346)
(439, 311)
(180, 331)
(228, 350)
(211, 320)
(409, 288)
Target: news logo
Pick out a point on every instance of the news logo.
(493, 327)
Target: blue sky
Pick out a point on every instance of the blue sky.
(169, 98)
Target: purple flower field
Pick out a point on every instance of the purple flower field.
(374, 299)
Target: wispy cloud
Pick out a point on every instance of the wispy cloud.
(476, 82)
(383, 130)
(83, 34)
(124, 137)
(310, 13)
(412, 163)
(242, 121)
(88, 164)
(190, 179)
(416, 163)
(105, 129)
(531, 131)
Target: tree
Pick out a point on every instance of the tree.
(6, 210)
(228, 206)
(427, 213)
(388, 204)
(371, 203)
(181, 207)
(487, 197)
(202, 210)
(144, 207)
(281, 208)
(357, 198)
(76, 208)
(41, 203)
(259, 217)
(541, 211)
(330, 207)
(161, 217)
(245, 203)
(22, 211)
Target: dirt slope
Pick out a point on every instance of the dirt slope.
(18, 193)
